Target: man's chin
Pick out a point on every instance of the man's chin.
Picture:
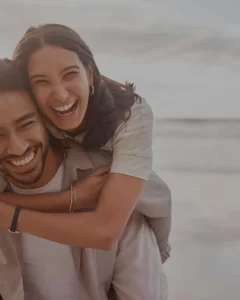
(22, 182)
(26, 180)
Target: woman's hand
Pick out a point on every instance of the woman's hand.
(88, 189)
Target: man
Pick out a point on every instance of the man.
(32, 265)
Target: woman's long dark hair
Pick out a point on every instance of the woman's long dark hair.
(111, 102)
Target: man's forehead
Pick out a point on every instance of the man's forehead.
(16, 98)
(14, 104)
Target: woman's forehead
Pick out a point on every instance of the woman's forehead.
(53, 58)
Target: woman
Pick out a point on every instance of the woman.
(101, 114)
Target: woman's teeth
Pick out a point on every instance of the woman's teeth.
(64, 108)
(25, 161)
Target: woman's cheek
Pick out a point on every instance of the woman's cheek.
(41, 96)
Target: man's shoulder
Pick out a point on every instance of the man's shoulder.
(74, 150)
(72, 147)
(77, 158)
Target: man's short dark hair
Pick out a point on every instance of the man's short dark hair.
(11, 78)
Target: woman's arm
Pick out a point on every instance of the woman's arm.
(98, 229)
(131, 166)
(89, 190)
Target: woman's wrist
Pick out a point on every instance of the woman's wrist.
(64, 201)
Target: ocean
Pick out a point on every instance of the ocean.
(190, 76)
(198, 145)
(200, 161)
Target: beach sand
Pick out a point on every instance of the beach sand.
(205, 259)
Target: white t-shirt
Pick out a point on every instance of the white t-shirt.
(48, 268)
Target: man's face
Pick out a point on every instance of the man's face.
(23, 138)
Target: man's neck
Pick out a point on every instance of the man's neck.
(51, 165)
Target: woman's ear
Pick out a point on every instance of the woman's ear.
(90, 75)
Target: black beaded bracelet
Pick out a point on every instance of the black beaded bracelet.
(13, 227)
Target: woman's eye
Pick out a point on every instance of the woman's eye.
(70, 75)
(40, 82)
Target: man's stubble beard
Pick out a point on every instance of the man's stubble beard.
(37, 177)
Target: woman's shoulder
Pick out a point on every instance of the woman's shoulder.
(139, 120)
(142, 106)
(141, 112)
(131, 144)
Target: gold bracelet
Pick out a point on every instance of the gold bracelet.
(74, 199)
(71, 199)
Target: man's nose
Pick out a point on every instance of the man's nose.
(17, 145)
(60, 92)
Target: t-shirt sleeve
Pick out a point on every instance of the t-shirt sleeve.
(132, 143)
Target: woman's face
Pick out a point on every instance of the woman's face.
(60, 84)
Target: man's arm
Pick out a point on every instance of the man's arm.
(138, 273)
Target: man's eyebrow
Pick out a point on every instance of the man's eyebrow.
(33, 76)
(26, 117)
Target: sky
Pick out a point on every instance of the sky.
(182, 55)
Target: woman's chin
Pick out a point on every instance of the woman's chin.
(67, 123)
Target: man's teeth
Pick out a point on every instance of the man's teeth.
(64, 108)
(25, 161)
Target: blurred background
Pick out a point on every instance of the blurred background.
(184, 58)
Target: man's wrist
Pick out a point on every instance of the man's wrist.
(6, 215)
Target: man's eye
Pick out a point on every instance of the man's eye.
(28, 124)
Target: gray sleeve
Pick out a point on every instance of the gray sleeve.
(161, 228)
(139, 273)
(132, 143)
(155, 205)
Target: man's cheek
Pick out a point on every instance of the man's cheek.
(42, 133)
(39, 134)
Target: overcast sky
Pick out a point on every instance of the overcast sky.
(183, 55)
